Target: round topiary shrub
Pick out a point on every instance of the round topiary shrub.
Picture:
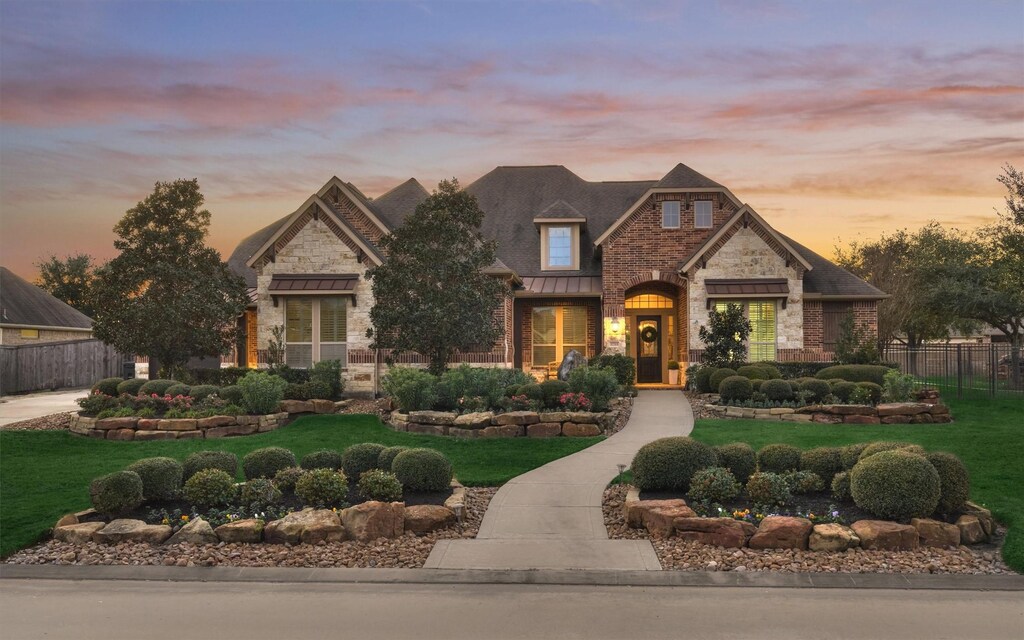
(752, 371)
(735, 389)
(756, 384)
(718, 376)
(116, 493)
(669, 463)
(816, 389)
(161, 477)
(873, 390)
(322, 459)
(777, 390)
(322, 488)
(850, 454)
(131, 386)
(532, 392)
(714, 484)
(232, 394)
(387, 457)
(196, 462)
(739, 458)
(842, 390)
(702, 379)
(423, 470)
(841, 486)
(179, 389)
(360, 457)
(266, 462)
(768, 489)
(203, 391)
(262, 392)
(954, 481)
(878, 447)
(107, 386)
(896, 485)
(377, 484)
(553, 390)
(285, 479)
(159, 387)
(778, 458)
(210, 488)
(803, 482)
(826, 462)
(260, 493)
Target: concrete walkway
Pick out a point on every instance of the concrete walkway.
(550, 518)
(36, 405)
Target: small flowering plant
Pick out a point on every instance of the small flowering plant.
(575, 401)
(471, 404)
(519, 403)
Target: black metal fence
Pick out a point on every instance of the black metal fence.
(967, 369)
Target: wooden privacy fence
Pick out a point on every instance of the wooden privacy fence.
(57, 365)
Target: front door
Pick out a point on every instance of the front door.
(648, 349)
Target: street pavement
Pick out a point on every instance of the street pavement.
(36, 405)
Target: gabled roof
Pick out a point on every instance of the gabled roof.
(713, 243)
(394, 205)
(559, 210)
(23, 303)
(683, 177)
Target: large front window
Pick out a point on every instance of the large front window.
(315, 329)
(556, 331)
(761, 314)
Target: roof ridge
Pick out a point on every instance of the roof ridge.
(397, 186)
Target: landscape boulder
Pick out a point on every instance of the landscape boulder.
(248, 530)
(884, 535)
(516, 418)
(371, 520)
(971, 531)
(574, 430)
(432, 417)
(126, 530)
(934, 533)
(424, 518)
(782, 532)
(716, 532)
(197, 531)
(475, 420)
(832, 537)
(308, 526)
(77, 533)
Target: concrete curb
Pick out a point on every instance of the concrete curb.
(532, 577)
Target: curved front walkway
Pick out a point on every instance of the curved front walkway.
(550, 518)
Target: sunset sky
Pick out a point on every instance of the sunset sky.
(834, 120)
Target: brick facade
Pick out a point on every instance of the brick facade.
(814, 329)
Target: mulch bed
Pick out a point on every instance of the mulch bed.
(408, 551)
(676, 554)
(52, 422)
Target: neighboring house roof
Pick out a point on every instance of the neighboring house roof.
(828, 279)
(22, 303)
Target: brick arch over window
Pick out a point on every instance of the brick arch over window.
(654, 276)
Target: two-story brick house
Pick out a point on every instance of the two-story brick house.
(626, 267)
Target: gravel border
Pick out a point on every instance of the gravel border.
(52, 422)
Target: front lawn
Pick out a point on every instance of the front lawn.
(988, 435)
(45, 474)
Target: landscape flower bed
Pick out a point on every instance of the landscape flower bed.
(512, 424)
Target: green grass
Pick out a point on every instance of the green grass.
(46, 474)
(988, 435)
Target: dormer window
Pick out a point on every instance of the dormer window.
(702, 218)
(560, 247)
(670, 214)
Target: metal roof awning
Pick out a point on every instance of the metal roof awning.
(315, 284)
(749, 288)
(560, 286)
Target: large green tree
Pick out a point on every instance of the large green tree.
(432, 294)
(167, 295)
(69, 280)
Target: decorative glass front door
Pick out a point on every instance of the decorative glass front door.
(648, 349)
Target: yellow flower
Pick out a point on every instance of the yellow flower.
(185, 518)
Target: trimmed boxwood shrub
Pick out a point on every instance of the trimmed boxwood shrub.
(159, 387)
(954, 481)
(817, 389)
(850, 454)
(854, 373)
(778, 458)
(325, 380)
(203, 391)
(285, 479)
(232, 394)
(387, 457)
(802, 482)
(896, 485)
(107, 386)
(179, 389)
(260, 493)
(266, 462)
(210, 488)
(322, 488)
(702, 379)
(532, 391)
(623, 366)
(599, 385)
(768, 489)
(262, 392)
(842, 390)
(116, 493)
(874, 391)
(756, 385)
(777, 390)
(759, 372)
(196, 462)
(322, 459)
(826, 462)
(714, 484)
(669, 463)
(841, 486)
(411, 389)
(377, 484)
(739, 458)
(131, 386)
(423, 470)
(161, 477)
(718, 375)
(735, 389)
(884, 445)
(552, 391)
(361, 457)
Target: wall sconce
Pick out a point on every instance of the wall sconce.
(616, 325)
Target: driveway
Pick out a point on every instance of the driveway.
(36, 405)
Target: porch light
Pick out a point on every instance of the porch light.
(615, 326)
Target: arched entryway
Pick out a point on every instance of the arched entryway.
(655, 329)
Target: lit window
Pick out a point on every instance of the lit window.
(649, 301)
(702, 214)
(761, 314)
(557, 331)
(670, 214)
(30, 334)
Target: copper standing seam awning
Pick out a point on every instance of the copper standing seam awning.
(747, 288)
(560, 285)
(306, 284)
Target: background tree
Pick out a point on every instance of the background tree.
(69, 280)
(725, 341)
(167, 295)
(431, 295)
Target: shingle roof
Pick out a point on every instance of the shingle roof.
(683, 177)
(393, 206)
(21, 302)
(559, 209)
(829, 279)
(248, 246)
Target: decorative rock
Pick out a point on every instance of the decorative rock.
(248, 530)
(96, 433)
(398, 416)
(885, 535)
(717, 532)
(215, 421)
(826, 418)
(544, 430)
(458, 432)
(936, 534)
(309, 526)
(476, 420)
(371, 520)
(247, 419)
(780, 411)
(832, 537)
(197, 531)
(971, 531)
(121, 434)
(939, 410)
(573, 430)
(297, 406)
(232, 430)
(82, 425)
(115, 423)
(432, 417)
(634, 510)
(895, 420)
(188, 435)
(861, 420)
(505, 431)
(77, 533)
(177, 424)
(555, 416)
(125, 530)
(572, 360)
(265, 424)
(429, 429)
(70, 519)
(516, 418)
(154, 435)
(323, 406)
(584, 417)
(782, 532)
(983, 515)
(902, 408)
(424, 518)
(147, 424)
(659, 521)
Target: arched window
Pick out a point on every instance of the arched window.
(649, 301)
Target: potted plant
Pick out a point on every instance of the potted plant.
(673, 372)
